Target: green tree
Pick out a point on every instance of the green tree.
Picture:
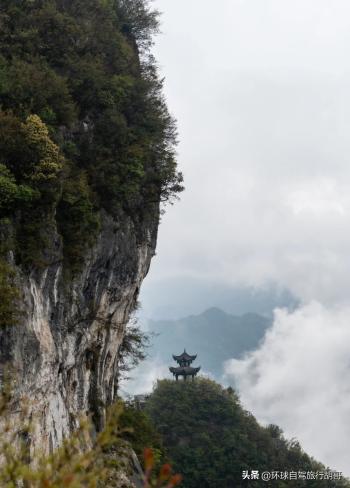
(9, 293)
(81, 107)
(212, 440)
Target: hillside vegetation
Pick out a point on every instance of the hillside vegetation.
(83, 124)
(211, 440)
(84, 130)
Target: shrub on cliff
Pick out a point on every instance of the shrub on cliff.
(9, 293)
(83, 123)
(83, 460)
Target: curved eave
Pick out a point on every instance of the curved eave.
(186, 370)
(184, 357)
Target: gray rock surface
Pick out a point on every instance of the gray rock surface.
(65, 351)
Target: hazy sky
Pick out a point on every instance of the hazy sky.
(261, 92)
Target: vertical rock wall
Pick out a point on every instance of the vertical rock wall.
(65, 351)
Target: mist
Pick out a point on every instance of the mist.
(261, 94)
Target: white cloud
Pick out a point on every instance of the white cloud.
(261, 94)
(298, 380)
(143, 378)
(319, 198)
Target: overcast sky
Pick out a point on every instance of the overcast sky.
(261, 92)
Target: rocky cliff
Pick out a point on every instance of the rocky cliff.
(86, 157)
(65, 351)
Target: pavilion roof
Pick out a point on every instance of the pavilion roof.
(185, 370)
(184, 357)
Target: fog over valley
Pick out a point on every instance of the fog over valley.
(261, 94)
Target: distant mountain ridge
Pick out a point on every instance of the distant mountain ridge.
(193, 296)
(214, 335)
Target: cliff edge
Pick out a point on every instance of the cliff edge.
(86, 160)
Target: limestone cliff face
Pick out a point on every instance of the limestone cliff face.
(65, 352)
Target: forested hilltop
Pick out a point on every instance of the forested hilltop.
(83, 124)
(211, 440)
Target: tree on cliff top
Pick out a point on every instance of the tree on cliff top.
(82, 71)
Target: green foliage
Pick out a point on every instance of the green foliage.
(9, 293)
(80, 461)
(138, 21)
(211, 439)
(81, 111)
(46, 160)
(31, 166)
(29, 153)
(165, 479)
(12, 195)
(133, 348)
(85, 459)
(77, 221)
(30, 86)
(36, 244)
(138, 429)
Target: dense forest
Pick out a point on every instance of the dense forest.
(83, 128)
(210, 439)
